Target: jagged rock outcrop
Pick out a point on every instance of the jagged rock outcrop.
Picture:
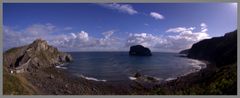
(139, 50)
(219, 50)
(34, 56)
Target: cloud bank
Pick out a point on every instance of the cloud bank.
(178, 38)
(175, 39)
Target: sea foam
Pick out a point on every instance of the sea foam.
(132, 78)
(91, 78)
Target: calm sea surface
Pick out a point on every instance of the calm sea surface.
(119, 66)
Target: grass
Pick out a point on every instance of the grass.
(12, 85)
(16, 85)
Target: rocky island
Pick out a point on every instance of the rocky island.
(139, 50)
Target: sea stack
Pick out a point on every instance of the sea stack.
(139, 50)
(34, 56)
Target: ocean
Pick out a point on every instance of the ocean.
(119, 66)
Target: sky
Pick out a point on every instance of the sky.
(162, 27)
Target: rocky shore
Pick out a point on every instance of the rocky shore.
(52, 81)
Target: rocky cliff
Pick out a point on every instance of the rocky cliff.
(184, 51)
(219, 50)
(34, 56)
(218, 78)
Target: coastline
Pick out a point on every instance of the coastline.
(208, 81)
(182, 82)
(207, 64)
(58, 80)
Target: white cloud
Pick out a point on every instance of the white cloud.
(76, 40)
(184, 37)
(145, 39)
(11, 37)
(17, 37)
(83, 36)
(203, 27)
(180, 29)
(146, 24)
(176, 39)
(156, 15)
(108, 34)
(73, 35)
(68, 28)
(189, 34)
(108, 40)
(82, 40)
(40, 29)
(126, 8)
(64, 41)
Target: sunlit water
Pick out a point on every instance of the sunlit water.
(119, 66)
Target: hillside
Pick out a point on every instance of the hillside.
(220, 76)
(220, 50)
(27, 59)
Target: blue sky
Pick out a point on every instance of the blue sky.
(116, 26)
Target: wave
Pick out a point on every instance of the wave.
(198, 65)
(61, 67)
(169, 79)
(91, 78)
(132, 78)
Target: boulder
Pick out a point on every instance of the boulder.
(139, 50)
(137, 75)
(64, 57)
(144, 78)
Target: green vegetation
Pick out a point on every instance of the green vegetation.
(12, 85)
(223, 81)
(16, 84)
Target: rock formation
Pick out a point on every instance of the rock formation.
(143, 78)
(34, 56)
(139, 50)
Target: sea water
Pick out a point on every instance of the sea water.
(119, 66)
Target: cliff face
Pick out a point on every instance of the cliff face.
(184, 51)
(219, 50)
(34, 56)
